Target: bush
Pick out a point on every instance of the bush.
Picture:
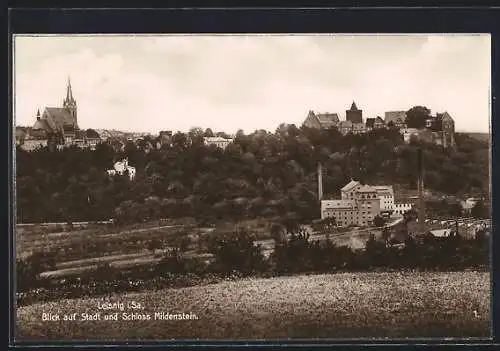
(236, 252)
(172, 262)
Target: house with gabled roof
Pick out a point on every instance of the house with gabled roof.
(375, 123)
(370, 123)
(378, 123)
(395, 117)
(321, 120)
(439, 130)
(348, 190)
(346, 127)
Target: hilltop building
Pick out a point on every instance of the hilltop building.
(395, 118)
(375, 123)
(354, 114)
(56, 127)
(321, 120)
(439, 129)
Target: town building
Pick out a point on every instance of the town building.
(439, 130)
(31, 139)
(469, 204)
(358, 128)
(402, 208)
(57, 127)
(386, 195)
(375, 123)
(447, 129)
(360, 204)
(321, 120)
(379, 123)
(397, 118)
(345, 127)
(219, 142)
(408, 133)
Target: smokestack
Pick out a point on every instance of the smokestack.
(421, 203)
(320, 182)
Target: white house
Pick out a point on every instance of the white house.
(441, 233)
(402, 208)
(468, 204)
(408, 133)
(120, 167)
(386, 196)
(217, 141)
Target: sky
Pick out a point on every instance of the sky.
(230, 82)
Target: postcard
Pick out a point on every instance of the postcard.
(251, 187)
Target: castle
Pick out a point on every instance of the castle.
(439, 129)
(57, 127)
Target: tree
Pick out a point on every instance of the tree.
(379, 221)
(208, 133)
(329, 223)
(416, 116)
(480, 210)
(375, 252)
(237, 252)
(91, 133)
(172, 262)
(154, 245)
(278, 233)
(262, 175)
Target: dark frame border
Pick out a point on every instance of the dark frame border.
(270, 20)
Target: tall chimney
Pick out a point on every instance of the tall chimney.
(320, 182)
(421, 204)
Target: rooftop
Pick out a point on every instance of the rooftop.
(338, 204)
(354, 107)
(214, 139)
(350, 185)
(327, 118)
(366, 189)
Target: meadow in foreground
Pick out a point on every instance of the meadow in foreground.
(347, 305)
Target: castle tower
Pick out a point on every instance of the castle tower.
(354, 114)
(70, 104)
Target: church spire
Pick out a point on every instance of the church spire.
(69, 92)
(69, 101)
(70, 104)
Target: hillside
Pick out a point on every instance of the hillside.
(258, 175)
(484, 137)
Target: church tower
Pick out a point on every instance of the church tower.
(70, 104)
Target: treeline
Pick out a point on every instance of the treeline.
(236, 256)
(260, 174)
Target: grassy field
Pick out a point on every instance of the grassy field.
(350, 305)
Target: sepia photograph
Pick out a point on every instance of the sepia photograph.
(252, 187)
